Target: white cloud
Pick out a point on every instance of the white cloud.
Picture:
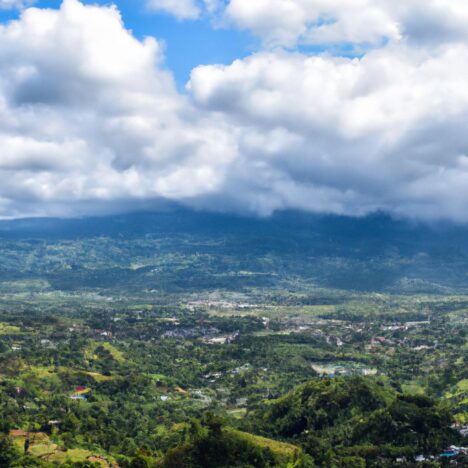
(90, 118)
(88, 113)
(213, 6)
(12, 4)
(346, 135)
(286, 22)
(181, 9)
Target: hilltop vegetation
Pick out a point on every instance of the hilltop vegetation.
(359, 417)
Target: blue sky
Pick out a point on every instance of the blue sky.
(189, 43)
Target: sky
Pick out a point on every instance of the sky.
(247, 106)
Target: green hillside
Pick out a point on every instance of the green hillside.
(335, 418)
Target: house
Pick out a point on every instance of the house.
(245, 368)
(226, 339)
(213, 377)
(422, 348)
(416, 324)
(334, 340)
(453, 451)
(78, 397)
(463, 430)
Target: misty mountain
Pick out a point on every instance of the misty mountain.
(371, 253)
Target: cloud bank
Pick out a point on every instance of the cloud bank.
(90, 117)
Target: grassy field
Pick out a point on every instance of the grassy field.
(283, 451)
(6, 329)
(115, 353)
(45, 449)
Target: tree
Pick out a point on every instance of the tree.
(8, 452)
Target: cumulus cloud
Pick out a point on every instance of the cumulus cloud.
(87, 112)
(90, 117)
(181, 9)
(347, 135)
(286, 22)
